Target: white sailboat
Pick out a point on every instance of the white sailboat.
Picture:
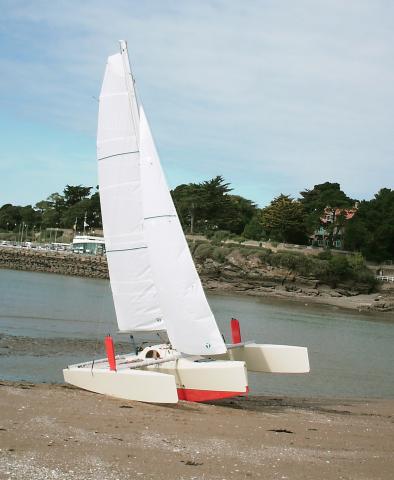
(154, 283)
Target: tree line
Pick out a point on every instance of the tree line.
(76, 206)
(209, 208)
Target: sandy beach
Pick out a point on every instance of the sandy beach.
(58, 432)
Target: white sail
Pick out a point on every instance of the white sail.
(191, 326)
(135, 295)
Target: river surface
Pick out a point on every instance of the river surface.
(49, 321)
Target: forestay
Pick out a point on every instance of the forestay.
(135, 295)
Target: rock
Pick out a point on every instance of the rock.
(307, 282)
(266, 284)
(313, 292)
(342, 292)
(253, 261)
(292, 288)
(335, 294)
(211, 267)
(253, 275)
(230, 274)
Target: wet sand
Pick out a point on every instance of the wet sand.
(59, 432)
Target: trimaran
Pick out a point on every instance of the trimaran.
(154, 283)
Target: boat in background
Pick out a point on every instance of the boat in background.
(154, 282)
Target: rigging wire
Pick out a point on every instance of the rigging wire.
(100, 320)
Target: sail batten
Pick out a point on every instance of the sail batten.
(116, 155)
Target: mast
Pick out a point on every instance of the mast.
(130, 82)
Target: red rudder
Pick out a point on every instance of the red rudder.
(110, 349)
(235, 331)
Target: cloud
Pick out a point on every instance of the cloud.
(276, 96)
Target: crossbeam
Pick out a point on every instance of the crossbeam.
(135, 363)
(230, 346)
(156, 361)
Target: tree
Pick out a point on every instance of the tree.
(51, 210)
(10, 216)
(203, 206)
(75, 211)
(254, 229)
(371, 230)
(321, 196)
(74, 194)
(30, 216)
(240, 211)
(284, 220)
(215, 203)
(88, 208)
(188, 202)
(324, 195)
(43, 206)
(94, 211)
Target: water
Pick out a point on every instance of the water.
(49, 321)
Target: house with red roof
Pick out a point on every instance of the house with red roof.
(332, 226)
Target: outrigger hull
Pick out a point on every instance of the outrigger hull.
(136, 385)
(266, 358)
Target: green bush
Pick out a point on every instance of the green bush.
(220, 253)
(203, 251)
(325, 255)
(339, 266)
(290, 260)
(239, 238)
(319, 268)
(356, 261)
(219, 236)
(265, 255)
(194, 244)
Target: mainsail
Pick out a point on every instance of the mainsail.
(154, 281)
(135, 295)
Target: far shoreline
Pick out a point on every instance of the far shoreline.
(356, 304)
(345, 304)
(239, 277)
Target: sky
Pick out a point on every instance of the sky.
(274, 95)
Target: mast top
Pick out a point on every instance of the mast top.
(123, 45)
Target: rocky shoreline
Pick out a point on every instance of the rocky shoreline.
(62, 263)
(236, 275)
(249, 276)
